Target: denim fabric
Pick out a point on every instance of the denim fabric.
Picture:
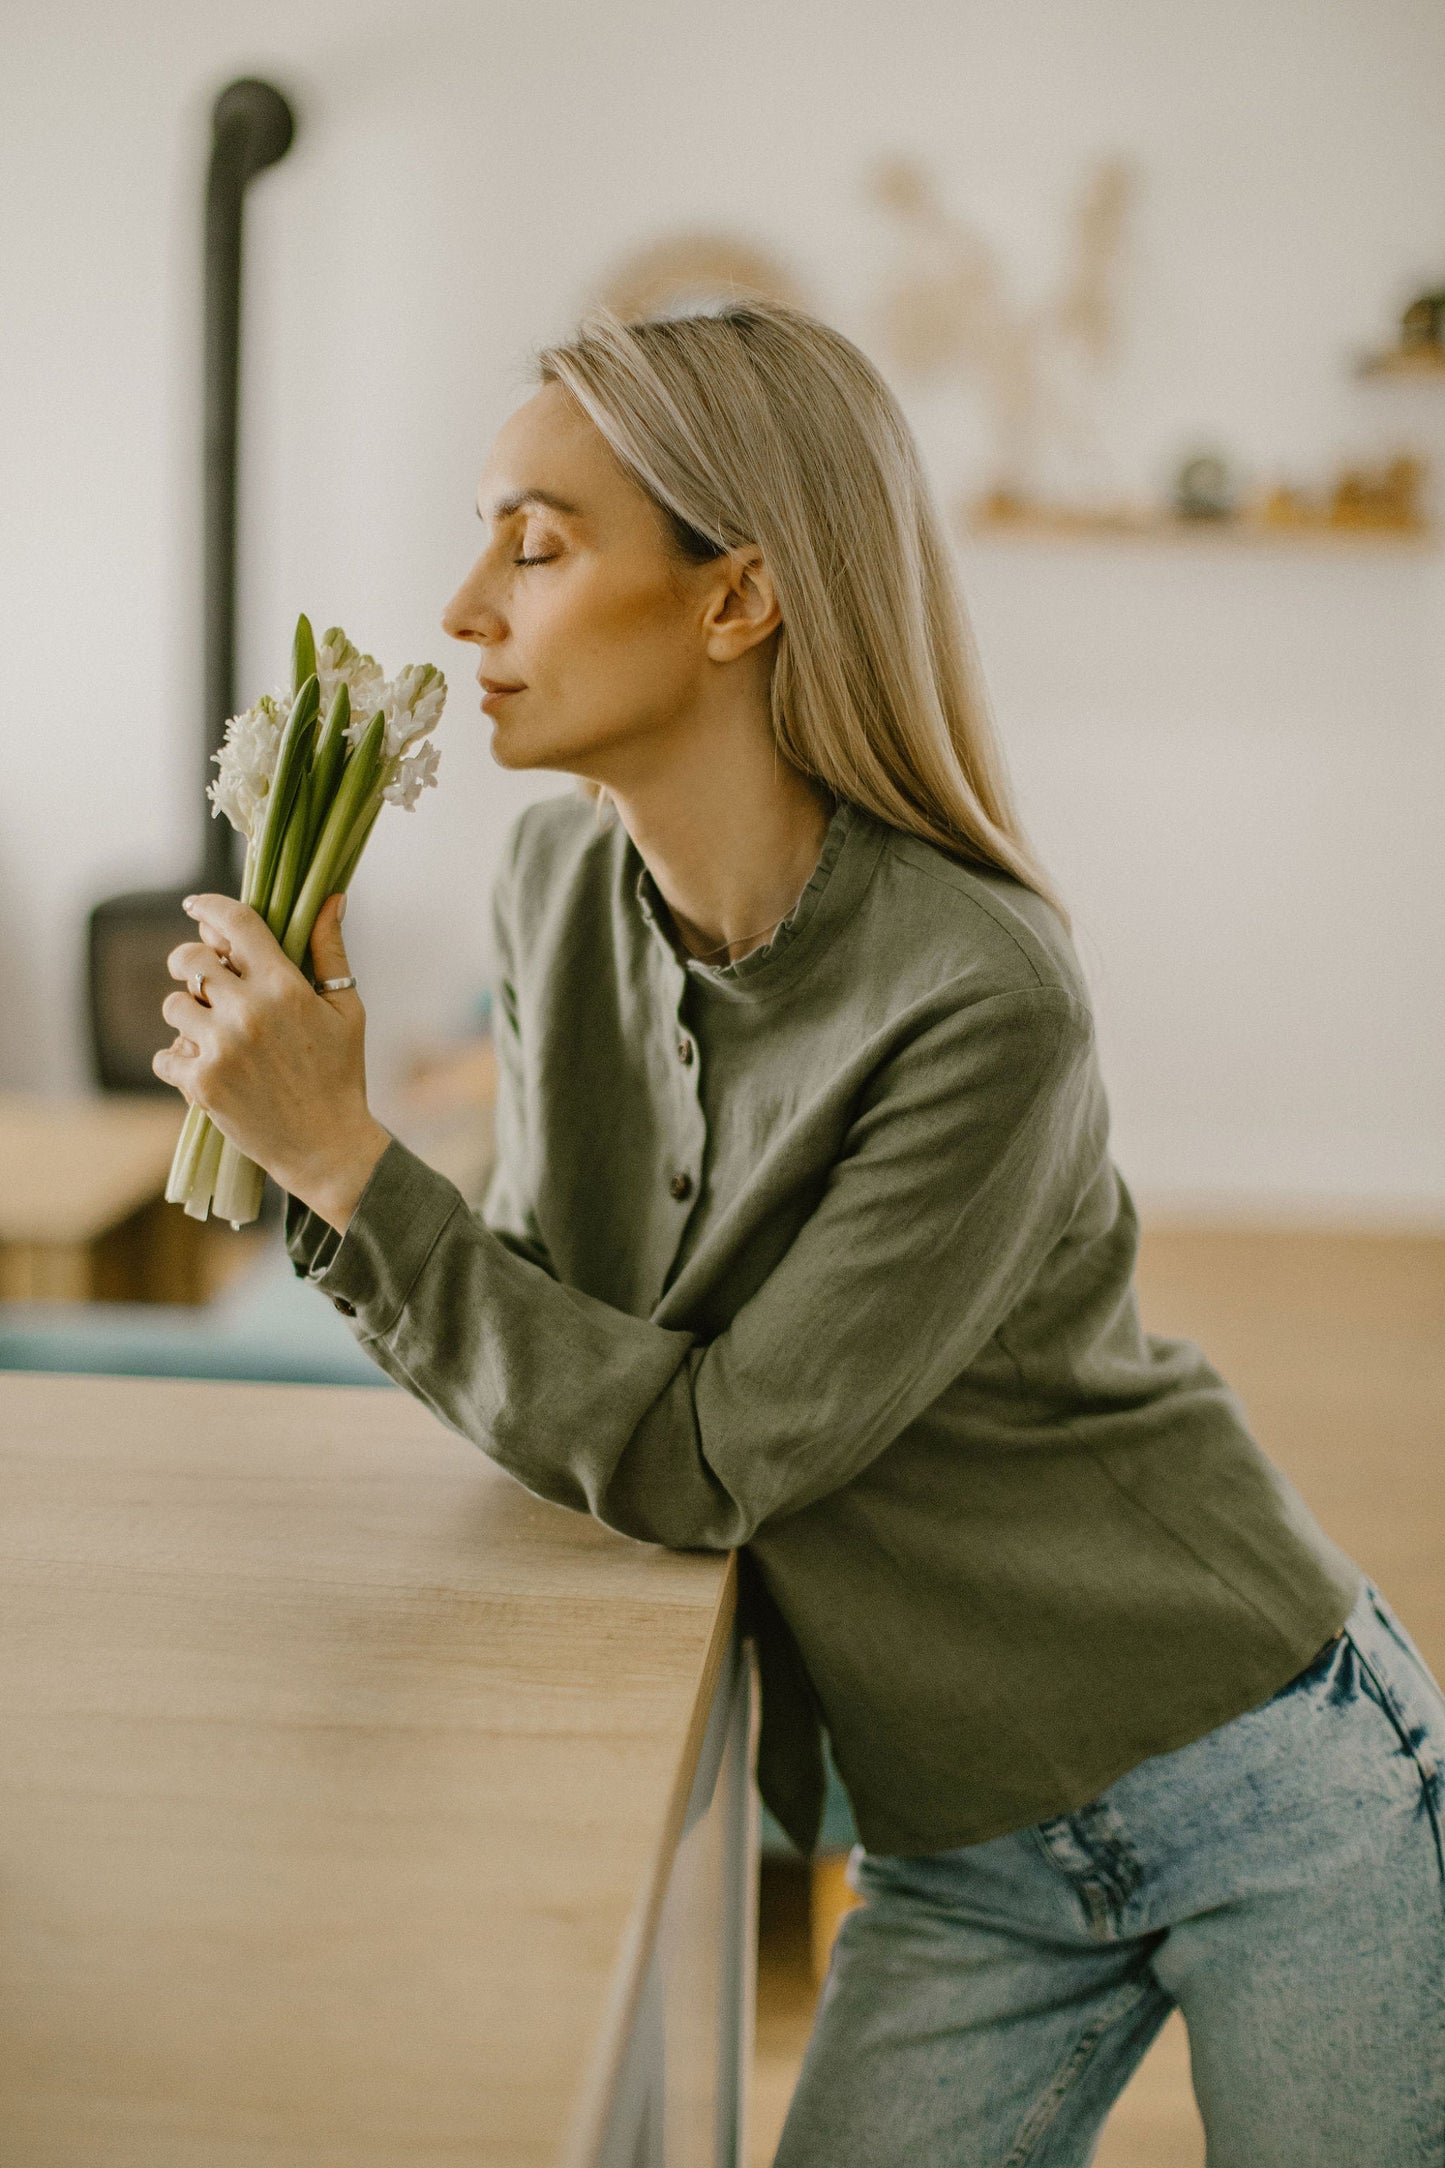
(1280, 1879)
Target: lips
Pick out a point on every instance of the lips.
(493, 691)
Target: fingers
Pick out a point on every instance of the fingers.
(247, 939)
(187, 1015)
(174, 1064)
(328, 950)
(194, 957)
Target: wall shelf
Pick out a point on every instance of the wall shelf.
(1237, 533)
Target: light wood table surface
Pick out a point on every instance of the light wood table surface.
(81, 1211)
(341, 1788)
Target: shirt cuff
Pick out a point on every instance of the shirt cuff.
(370, 1270)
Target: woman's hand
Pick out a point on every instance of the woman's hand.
(279, 1067)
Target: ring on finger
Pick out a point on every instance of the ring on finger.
(198, 988)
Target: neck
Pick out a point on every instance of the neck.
(728, 830)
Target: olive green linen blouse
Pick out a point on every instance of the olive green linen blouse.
(821, 1255)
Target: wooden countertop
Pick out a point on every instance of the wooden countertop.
(72, 1168)
(339, 1782)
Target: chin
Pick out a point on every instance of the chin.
(515, 746)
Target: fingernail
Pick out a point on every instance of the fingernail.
(341, 910)
(187, 902)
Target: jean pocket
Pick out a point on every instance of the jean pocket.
(1317, 1672)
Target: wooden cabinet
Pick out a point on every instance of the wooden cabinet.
(81, 1211)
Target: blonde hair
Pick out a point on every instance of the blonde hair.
(754, 423)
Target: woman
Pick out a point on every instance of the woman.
(804, 1239)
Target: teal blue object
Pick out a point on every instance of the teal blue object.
(268, 1326)
(837, 1833)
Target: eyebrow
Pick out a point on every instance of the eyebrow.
(505, 506)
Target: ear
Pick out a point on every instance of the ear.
(743, 609)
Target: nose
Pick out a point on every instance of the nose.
(470, 615)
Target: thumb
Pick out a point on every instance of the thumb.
(328, 950)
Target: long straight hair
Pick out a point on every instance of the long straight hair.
(754, 423)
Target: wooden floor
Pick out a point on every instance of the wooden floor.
(1336, 1345)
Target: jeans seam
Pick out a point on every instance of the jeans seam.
(1401, 1723)
(1112, 1872)
(1044, 2113)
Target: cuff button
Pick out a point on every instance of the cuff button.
(347, 1309)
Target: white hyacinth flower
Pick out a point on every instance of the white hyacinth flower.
(247, 761)
(413, 773)
(412, 703)
(306, 806)
(340, 662)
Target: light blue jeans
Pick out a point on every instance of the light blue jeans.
(1281, 1880)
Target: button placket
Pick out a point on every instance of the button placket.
(692, 1127)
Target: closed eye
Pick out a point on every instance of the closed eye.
(535, 560)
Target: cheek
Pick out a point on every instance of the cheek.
(611, 629)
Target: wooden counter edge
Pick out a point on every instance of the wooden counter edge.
(604, 2069)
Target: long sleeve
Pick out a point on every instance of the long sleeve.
(507, 1208)
(962, 1165)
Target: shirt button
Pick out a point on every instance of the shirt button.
(684, 1051)
(347, 1309)
(681, 1186)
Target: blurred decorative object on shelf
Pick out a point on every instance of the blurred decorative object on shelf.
(1421, 348)
(1423, 361)
(1387, 496)
(1423, 322)
(681, 271)
(1361, 506)
(1204, 487)
(1285, 505)
(950, 311)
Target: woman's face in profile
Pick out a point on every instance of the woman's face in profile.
(578, 599)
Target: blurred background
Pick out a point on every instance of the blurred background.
(1163, 293)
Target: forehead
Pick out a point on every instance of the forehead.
(548, 452)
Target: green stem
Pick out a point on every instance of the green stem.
(355, 844)
(185, 1155)
(292, 760)
(357, 782)
(239, 1183)
(198, 1200)
(327, 763)
(290, 861)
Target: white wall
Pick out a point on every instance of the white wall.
(1234, 762)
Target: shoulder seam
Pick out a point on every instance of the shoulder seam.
(979, 903)
(1046, 990)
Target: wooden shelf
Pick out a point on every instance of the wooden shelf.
(1210, 533)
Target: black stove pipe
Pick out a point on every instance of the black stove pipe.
(252, 126)
(129, 937)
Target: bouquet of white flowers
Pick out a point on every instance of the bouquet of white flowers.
(303, 777)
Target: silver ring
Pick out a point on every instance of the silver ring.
(334, 986)
(198, 989)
